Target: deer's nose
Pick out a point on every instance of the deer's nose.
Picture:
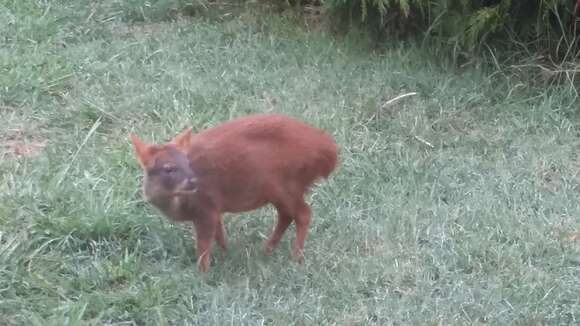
(190, 183)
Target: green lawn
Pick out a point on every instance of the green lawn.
(456, 206)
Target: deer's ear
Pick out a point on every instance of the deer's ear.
(183, 139)
(142, 150)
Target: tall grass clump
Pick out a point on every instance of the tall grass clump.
(550, 26)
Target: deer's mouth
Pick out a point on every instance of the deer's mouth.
(186, 188)
(184, 192)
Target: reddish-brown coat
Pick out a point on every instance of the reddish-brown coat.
(238, 166)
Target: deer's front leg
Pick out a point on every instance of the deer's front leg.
(205, 229)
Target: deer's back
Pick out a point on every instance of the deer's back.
(244, 163)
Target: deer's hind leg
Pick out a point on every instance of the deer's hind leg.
(220, 233)
(284, 220)
(291, 207)
(302, 219)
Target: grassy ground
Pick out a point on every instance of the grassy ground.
(459, 205)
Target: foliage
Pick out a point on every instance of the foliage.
(468, 24)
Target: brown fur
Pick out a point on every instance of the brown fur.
(237, 166)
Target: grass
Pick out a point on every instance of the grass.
(459, 205)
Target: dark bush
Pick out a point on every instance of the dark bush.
(548, 25)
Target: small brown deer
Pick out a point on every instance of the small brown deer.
(237, 166)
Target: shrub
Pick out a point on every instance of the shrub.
(468, 24)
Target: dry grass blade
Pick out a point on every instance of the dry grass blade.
(388, 103)
(395, 100)
(81, 146)
(423, 141)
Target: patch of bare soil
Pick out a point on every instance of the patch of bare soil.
(574, 236)
(21, 141)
